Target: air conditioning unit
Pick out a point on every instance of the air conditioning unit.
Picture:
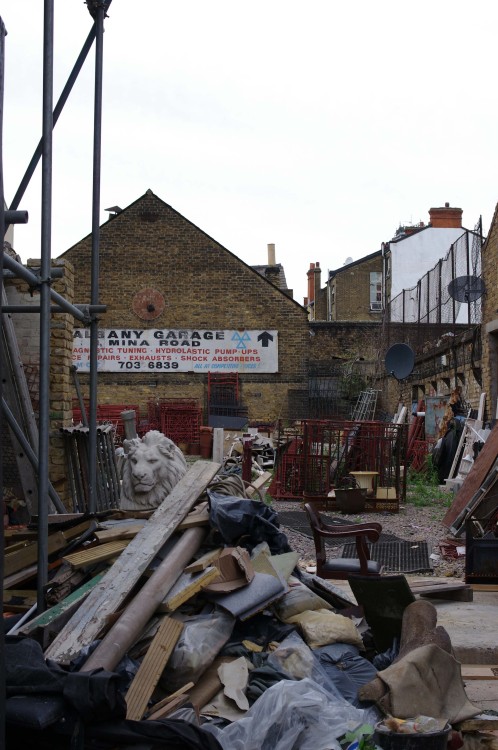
(376, 306)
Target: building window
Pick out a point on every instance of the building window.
(376, 291)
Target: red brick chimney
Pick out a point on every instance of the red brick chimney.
(314, 281)
(446, 217)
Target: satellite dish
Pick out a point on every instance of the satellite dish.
(400, 360)
(466, 288)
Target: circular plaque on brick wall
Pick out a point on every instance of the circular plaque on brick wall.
(148, 304)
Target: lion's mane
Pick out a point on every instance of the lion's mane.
(153, 465)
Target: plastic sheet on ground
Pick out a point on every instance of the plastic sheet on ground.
(291, 714)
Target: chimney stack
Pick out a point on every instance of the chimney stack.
(271, 254)
(314, 281)
(446, 217)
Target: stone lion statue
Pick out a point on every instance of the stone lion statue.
(153, 465)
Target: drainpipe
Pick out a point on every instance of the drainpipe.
(94, 294)
(46, 247)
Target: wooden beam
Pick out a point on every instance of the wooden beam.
(22, 575)
(258, 483)
(204, 561)
(187, 586)
(151, 668)
(52, 614)
(155, 711)
(18, 600)
(28, 555)
(124, 531)
(88, 557)
(109, 595)
(137, 614)
(479, 672)
(198, 517)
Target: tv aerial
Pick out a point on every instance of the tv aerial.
(466, 288)
(400, 360)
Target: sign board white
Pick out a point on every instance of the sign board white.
(163, 350)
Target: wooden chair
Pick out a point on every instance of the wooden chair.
(341, 568)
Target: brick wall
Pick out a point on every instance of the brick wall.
(205, 286)
(352, 291)
(490, 317)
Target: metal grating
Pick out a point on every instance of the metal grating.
(397, 557)
(297, 520)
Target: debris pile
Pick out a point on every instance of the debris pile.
(192, 626)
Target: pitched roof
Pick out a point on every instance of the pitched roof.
(262, 270)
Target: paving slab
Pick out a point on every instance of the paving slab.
(472, 627)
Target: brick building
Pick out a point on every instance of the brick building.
(181, 308)
(489, 317)
(355, 291)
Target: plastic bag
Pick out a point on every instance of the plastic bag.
(298, 599)
(291, 714)
(320, 627)
(202, 639)
(295, 658)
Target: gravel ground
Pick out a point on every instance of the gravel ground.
(412, 523)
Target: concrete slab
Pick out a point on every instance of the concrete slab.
(483, 693)
(472, 627)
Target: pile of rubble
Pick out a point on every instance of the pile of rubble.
(193, 627)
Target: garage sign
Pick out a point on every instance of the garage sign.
(162, 350)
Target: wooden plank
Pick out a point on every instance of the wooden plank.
(479, 672)
(476, 476)
(16, 561)
(18, 600)
(168, 708)
(164, 702)
(204, 561)
(488, 724)
(198, 517)
(151, 668)
(463, 438)
(16, 546)
(125, 531)
(484, 586)
(50, 615)
(108, 596)
(87, 557)
(258, 483)
(22, 575)
(187, 586)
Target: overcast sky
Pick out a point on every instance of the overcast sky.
(317, 126)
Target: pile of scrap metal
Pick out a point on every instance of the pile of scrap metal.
(191, 626)
(261, 449)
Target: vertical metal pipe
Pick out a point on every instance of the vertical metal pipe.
(94, 294)
(453, 275)
(469, 264)
(2, 535)
(76, 383)
(439, 291)
(46, 239)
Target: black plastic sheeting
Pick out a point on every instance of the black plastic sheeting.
(95, 696)
(51, 706)
(246, 523)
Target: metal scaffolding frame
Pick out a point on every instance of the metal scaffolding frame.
(42, 279)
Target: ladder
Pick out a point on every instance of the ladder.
(365, 405)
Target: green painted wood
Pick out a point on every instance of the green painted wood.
(58, 609)
(108, 596)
